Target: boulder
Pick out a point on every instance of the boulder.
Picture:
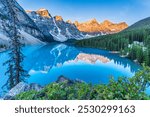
(24, 87)
(20, 88)
(62, 79)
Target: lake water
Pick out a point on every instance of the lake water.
(46, 63)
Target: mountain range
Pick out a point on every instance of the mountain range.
(106, 27)
(40, 26)
(64, 30)
(56, 26)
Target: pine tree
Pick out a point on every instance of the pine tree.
(15, 71)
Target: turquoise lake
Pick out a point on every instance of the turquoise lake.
(45, 63)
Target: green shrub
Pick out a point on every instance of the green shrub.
(26, 95)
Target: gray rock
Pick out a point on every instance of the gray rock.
(62, 79)
(20, 88)
(24, 87)
(25, 24)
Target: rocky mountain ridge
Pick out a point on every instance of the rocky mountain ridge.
(43, 12)
(95, 27)
(75, 30)
(55, 26)
(40, 26)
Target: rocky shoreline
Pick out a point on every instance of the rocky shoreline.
(20, 88)
(24, 87)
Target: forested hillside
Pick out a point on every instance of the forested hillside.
(145, 23)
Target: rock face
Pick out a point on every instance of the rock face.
(24, 87)
(58, 18)
(87, 27)
(27, 26)
(63, 30)
(94, 27)
(20, 88)
(44, 13)
(55, 26)
(63, 79)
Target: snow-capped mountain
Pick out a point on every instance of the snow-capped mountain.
(39, 26)
(63, 30)
(28, 29)
(56, 26)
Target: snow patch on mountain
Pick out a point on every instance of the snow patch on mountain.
(29, 39)
(3, 39)
(58, 36)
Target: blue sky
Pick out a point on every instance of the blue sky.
(129, 11)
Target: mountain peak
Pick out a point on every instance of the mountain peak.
(123, 23)
(92, 21)
(76, 23)
(107, 22)
(44, 13)
(69, 21)
(58, 18)
(28, 11)
(42, 9)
